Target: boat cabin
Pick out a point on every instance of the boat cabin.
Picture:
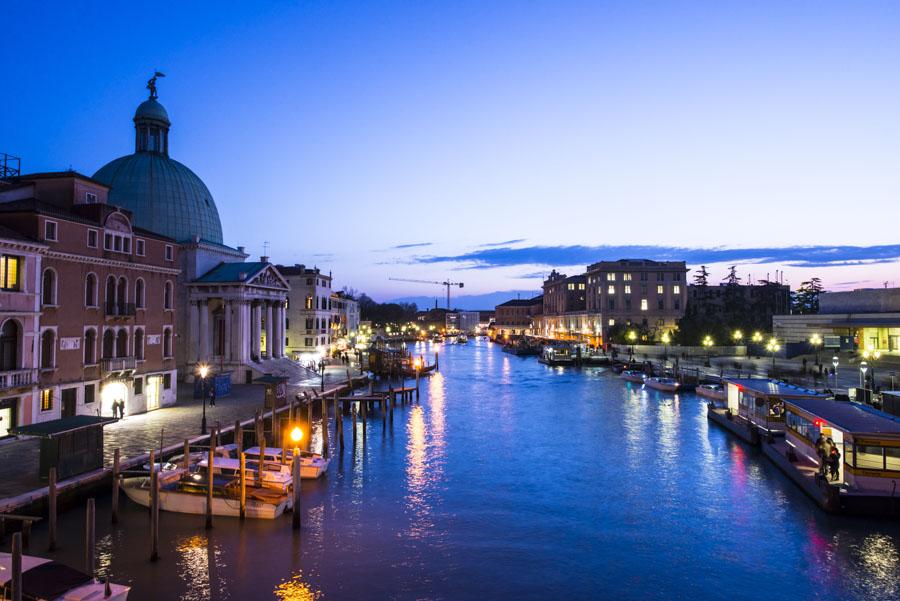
(868, 440)
(760, 402)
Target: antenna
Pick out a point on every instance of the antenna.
(266, 249)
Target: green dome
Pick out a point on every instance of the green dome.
(163, 195)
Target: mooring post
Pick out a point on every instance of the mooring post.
(51, 527)
(262, 459)
(391, 409)
(417, 383)
(353, 413)
(309, 422)
(238, 437)
(243, 457)
(384, 411)
(15, 581)
(324, 427)
(26, 534)
(89, 538)
(209, 479)
(114, 510)
(295, 468)
(390, 395)
(186, 456)
(365, 413)
(436, 364)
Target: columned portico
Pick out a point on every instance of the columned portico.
(203, 308)
(269, 331)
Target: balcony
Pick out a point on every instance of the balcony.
(119, 365)
(120, 310)
(19, 378)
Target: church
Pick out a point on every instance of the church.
(230, 312)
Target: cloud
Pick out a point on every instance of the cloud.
(561, 256)
(504, 243)
(416, 245)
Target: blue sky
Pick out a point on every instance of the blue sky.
(489, 142)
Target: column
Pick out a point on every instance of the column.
(203, 307)
(283, 323)
(255, 329)
(279, 327)
(194, 333)
(270, 331)
(227, 344)
(243, 342)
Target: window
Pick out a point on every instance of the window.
(50, 231)
(126, 245)
(661, 304)
(571, 286)
(169, 253)
(627, 303)
(92, 238)
(643, 304)
(307, 342)
(90, 347)
(48, 287)
(869, 457)
(89, 394)
(627, 289)
(139, 247)
(48, 348)
(167, 381)
(122, 343)
(676, 289)
(139, 345)
(612, 322)
(626, 277)
(167, 296)
(611, 289)
(581, 286)
(660, 289)
(90, 198)
(677, 303)
(610, 303)
(167, 343)
(892, 458)
(139, 293)
(139, 386)
(90, 290)
(610, 277)
(309, 301)
(643, 276)
(110, 293)
(676, 277)
(47, 399)
(309, 281)
(10, 268)
(660, 276)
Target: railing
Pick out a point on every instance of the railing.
(120, 309)
(18, 378)
(119, 364)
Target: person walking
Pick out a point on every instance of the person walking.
(212, 396)
(834, 462)
(820, 452)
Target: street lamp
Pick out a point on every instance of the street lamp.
(296, 437)
(666, 339)
(203, 371)
(835, 362)
(708, 343)
(632, 336)
(816, 341)
(863, 368)
(737, 336)
(773, 347)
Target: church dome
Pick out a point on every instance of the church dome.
(163, 195)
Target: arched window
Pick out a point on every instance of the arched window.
(122, 295)
(9, 346)
(90, 290)
(109, 343)
(90, 347)
(167, 296)
(110, 294)
(48, 287)
(122, 343)
(48, 346)
(139, 345)
(167, 342)
(139, 293)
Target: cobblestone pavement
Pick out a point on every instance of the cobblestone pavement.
(137, 434)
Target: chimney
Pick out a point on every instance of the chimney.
(264, 259)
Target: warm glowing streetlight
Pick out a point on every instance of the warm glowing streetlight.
(835, 362)
(737, 336)
(773, 347)
(816, 341)
(296, 434)
(757, 337)
(707, 343)
(203, 372)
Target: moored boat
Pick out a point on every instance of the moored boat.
(662, 383)
(275, 475)
(45, 579)
(462, 339)
(713, 392)
(312, 465)
(557, 355)
(632, 375)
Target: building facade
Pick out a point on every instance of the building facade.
(515, 318)
(309, 313)
(758, 303)
(106, 328)
(564, 314)
(344, 316)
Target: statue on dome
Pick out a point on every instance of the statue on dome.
(151, 85)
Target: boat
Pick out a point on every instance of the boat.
(462, 339)
(632, 375)
(276, 476)
(557, 355)
(713, 392)
(186, 493)
(662, 383)
(312, 465)
(523, 348)
(45, 579)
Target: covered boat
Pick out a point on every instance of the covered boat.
(713, 392)
(632, 375)
(662, 383)
(47, 580)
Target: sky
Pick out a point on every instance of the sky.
(490, 142)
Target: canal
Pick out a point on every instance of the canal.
(513, 480)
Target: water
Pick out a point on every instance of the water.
(513, 480)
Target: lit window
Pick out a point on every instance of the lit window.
(643, 304)
(612, 322)
(10, 267)
(611, 289)
(571, 286)
(610, 277)
(627, 289)
(581, 286)
(47, 399)
(660, 289)
(626, 277)
(676, 289)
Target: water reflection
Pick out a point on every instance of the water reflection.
(199, 566)
(295, 589)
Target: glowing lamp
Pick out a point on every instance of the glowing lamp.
(296, 434)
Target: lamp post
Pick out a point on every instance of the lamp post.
(203, 371)
(773, 347)
(863, 367)
(835, 362)
(816, 341)
(666, 339)
(873, 355)
(707, 343)
(757, 339)
(632, 336)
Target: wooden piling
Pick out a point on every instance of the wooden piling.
(324, 427)
(295, 469)
(391, 409)
(243, 457)
(309, 422)
(186, 457)
(51, 526)
(26, 534)
(15, 581)
(417, 384)
(436, 365)
(154, 515)
(365, 413)
(238, 437)
(209, 478)
(262, 461)
(89, 537)
(114, 511)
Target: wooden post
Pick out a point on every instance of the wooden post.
(238, 437)
(295, 468)
(262, 461)
(114, 511)
(391, 409)
(26, 534)
(390, 394)
(417, 384)
(353, 412)
(243, 457)
(15, 581)
(324, 427)
(209, 478)
(89, 538)
(154, 516)
(51, 489)
(371, 387)
(384, 411)
(436, 365)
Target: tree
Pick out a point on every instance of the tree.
(806, 299)
(732, 278)
(701, 278)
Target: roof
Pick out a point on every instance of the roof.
(56, 427)
(518, 302)
(8, 234)
(231, 272)
(26, 177)
(152, 109)
(774, 388)
(850, 416)
(288, 270)
(43, 578)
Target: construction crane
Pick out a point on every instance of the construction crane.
(446, 283)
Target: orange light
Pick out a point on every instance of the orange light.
(296, 434)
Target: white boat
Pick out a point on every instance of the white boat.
(187, 494)
(462, 339)
(312, 465)
(275, 475)
(663, 384)
(632, 375)
(48, 580)
(713, 392)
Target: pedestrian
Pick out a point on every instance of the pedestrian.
(820, 451)
(121, 408)
(834, 462)
(212, 396)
